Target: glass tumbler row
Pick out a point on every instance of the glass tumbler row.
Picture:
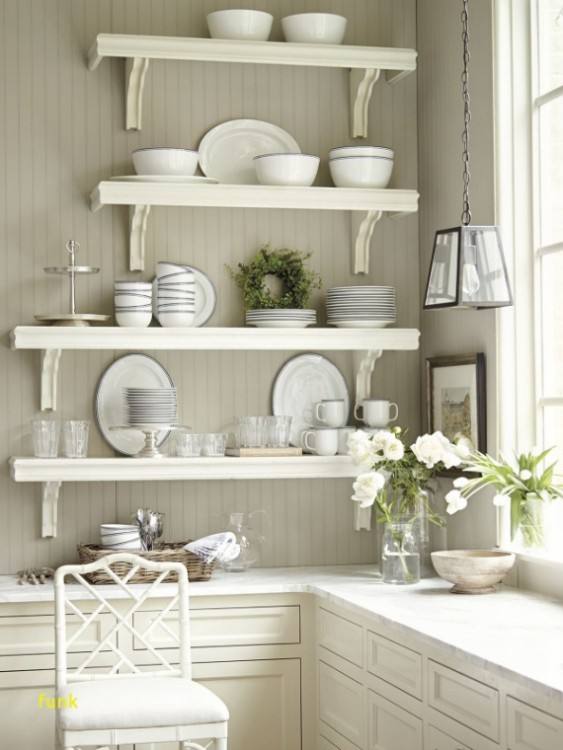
(46, 436)
(263, 432)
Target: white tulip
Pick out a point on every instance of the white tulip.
(525, 474)
(394, 450)
(455, 502)
(360, 447)
(382, 439)
(434, 449)
(461, 482)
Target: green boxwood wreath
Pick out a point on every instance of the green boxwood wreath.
(289, 267)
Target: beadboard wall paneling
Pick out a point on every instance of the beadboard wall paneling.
(62, 130)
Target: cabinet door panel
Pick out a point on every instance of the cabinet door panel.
(263, 698)
(396, 664)
(532, 729)
(391, 727)
(438, 740)
(464, 699)
(23, 724)
(341, 636)
(341, 702)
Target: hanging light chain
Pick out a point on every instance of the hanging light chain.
(466, 211)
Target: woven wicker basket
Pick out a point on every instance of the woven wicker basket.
(197, 569)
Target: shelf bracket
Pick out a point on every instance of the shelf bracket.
(138, 219)
(50, 359)
(49, 502)
(135, 73)
(362, 82)
(364, 363)
(362, 231)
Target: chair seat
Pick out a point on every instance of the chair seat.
(139, 703)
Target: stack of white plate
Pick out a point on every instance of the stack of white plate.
(120, 536)
(281, 318)
(361, 166)
(150, 406)
(361, 306)
(133, 303)
(175, 294)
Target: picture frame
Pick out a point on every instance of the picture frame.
(456, 397)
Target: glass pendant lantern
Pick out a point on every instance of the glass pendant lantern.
(468, 267)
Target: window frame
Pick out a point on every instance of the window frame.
(519, 347)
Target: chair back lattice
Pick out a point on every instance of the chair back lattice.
(123, 620)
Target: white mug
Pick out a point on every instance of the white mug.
(323, 442)
(343, 434)
(330, 412)
(376, 413)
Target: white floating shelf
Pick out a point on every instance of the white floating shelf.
(140, 196)
(52, 472)
(208, 339)
(365, 63)
(179, 469)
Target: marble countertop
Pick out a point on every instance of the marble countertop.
(514, 633)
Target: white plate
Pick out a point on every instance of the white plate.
(190, 180)
(360, 323)
(281, 323)
(205, 297)
(227, 150)
(138, 370)
(301, 382)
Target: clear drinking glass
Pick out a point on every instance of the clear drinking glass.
(75, 438)
(214, 444)
(277, 431)
(46, 433)
(188, 444)
(251, 432)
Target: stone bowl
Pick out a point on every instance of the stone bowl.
(473, 571)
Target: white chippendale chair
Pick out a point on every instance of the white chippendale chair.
(125, 705)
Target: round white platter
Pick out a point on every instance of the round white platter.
(226, 152)
(301, 382)
(140, 371)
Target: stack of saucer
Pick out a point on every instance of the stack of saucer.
(361, 306)
(155, 407)
(133, 303)
(175, 295)
(281, 318)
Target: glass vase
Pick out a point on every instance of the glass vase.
(529, 532)
(248, 543)
(400, 557)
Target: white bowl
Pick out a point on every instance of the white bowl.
(119, 536)
(472, 571)
(164, 161)
(179, 319)
(254, 25)
(286, 169)
(134, 545)
(117, 528)
(133, 319)
(314, 28)
(132, 300)
(361, 171)
(167, 268)
(133, 286)
(341, 151)
(183, 294)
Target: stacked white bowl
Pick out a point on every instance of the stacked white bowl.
(164, 161)
(176, 294)
(314, 28)
(253, 25)
(133, 303)
(120, 536)
(286, 169)
(361, 166)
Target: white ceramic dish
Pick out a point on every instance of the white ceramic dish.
(251, 25)
(286, 169)
(473, 571)
(342, 151)
(176, 319)
(359, 323)
(314, 28)
(205, 297)
(301, 382)
(133, 319)
(226, 152)
(138, 370)
(166, 268)
(187, 180)
(361, 171)
(165, 161)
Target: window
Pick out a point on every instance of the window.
(529, 53)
